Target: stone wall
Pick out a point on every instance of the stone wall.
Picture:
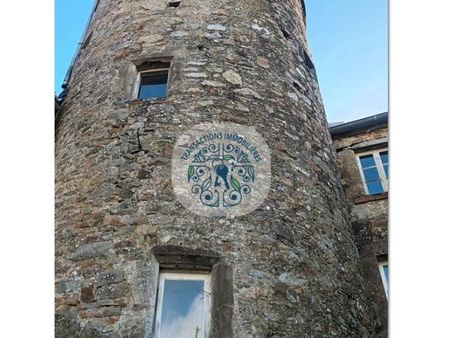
(369, 215)
(296, 270)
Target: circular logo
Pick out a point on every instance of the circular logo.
(221, 169)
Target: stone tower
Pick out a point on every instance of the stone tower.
(287, 269)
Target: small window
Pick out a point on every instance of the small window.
(384, 272)
(374, 171)
(152, 81)
(153, 84)
(183, 307)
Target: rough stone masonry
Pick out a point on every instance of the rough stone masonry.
(290, 268)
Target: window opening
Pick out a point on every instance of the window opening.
(374, 171)
(184, 305)
(153, 80)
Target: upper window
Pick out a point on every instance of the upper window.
(374, 171)
(153, 85)
(183, 307)
(384, 272)
(174, 3)
(153, 80)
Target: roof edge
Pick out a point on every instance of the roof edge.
(360, 125)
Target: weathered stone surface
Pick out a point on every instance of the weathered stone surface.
(289, 279)
(247, 92)
(92, 250)
(197, 75)
(147, 229)
(213, 36)
(87, 294)
(262, 62)
(369, 214)
(68, 286)
(179, 33)
(114, 220)
(70, 328)
(111, 291)
(217, 27)
(106, 311)
(232, 77)
(110, 277)
(213, 83)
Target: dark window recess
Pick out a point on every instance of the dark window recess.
(384, 161)
(153, 85)
(297, 86)
(174, 3)
(308, 60)
(285, 34)
(149, 65)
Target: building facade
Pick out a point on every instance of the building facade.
(130, 259)
(362, 155)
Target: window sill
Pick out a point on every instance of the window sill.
(371, 198)
(141, 101)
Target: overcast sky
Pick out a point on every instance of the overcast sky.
(348, 40)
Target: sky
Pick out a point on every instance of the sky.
(71, 17)
(349, 43)
(348, 40)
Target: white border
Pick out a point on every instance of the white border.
(27, 171)
(419, 141)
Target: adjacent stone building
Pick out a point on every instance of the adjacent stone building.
(130, 259)
(362, 155)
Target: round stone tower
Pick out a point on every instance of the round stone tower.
(289, 268)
